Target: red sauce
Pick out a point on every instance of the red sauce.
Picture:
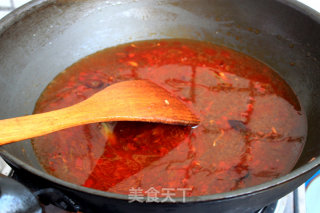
(252, 127)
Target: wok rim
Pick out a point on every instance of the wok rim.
(34, 5)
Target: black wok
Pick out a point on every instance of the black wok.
(44, 37)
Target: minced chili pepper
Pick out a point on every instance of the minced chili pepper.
(252, 127)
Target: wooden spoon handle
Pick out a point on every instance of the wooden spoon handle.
(21, 128)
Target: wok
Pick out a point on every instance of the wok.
(44, 37)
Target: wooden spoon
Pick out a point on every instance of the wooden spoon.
(136, 100)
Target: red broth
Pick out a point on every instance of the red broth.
(252, 126)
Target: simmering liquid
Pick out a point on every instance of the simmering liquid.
(252, 127)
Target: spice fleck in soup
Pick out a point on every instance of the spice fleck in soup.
(252, 126)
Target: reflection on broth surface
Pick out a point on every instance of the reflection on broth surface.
(252, 126)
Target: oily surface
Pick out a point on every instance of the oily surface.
(252, 127)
